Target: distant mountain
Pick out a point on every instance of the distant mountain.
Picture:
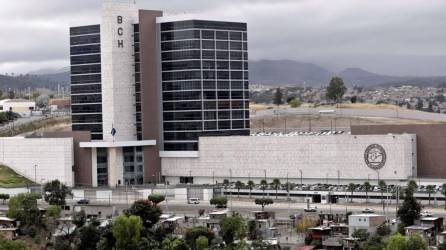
(284, 72)
(267, 72)
(47, 71)
(357, 76)
(48, 81)
(287, 72)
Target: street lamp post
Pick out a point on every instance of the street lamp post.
(301, 182)
(339, 173)
(35, 173)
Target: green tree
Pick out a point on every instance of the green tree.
(251, 185)
(219, 201)
(412, 185)
(361, 234)
(263, 202)
(202, 243)
(397, 242)
(233, 228)
(147, 211)
(441, 246)
(278, 97)
(374, 242)
(383, 230)
(382, 186)
(336, 89)
(351, 188)
(79, 218)
(367, 188)
(127, 231)
(156, 198)
(263, 184)
(192, 234)
(443, 191)
(294, 103)
(409, 211)
(353, 99)
(239, 185)
(55, 193)
(24, 208)
(4, 197)
(50, 219)
(415, 242)
(173, 243)
(12, 244)
(88, 237)
(276, 185)
(430, 189)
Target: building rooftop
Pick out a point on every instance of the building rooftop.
(302, 133)
(366, 215)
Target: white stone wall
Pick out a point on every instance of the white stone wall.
(117, 68)
(318, 157)
(53, 158)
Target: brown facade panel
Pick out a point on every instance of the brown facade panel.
(150, 91)
(431, 144)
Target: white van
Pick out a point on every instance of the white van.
(193, 201)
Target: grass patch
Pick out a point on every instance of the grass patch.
(9, 178)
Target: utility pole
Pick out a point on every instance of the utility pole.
(339, 173)
(230, 181)
(301, 182)
(35, 173)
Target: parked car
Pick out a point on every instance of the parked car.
(193, 201)
(425, 214)
(310, 209)
(83, 202)
(368, 211)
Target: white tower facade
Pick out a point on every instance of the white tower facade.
(117, 68)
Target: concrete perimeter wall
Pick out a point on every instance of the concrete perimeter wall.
(40, 159)
(318, 157)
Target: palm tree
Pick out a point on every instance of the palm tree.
(250, 185)
(412, 185)
(239, 185)
(276, 185)
(367, 187)
(351, 188)
(430, 189)
(382, 185)
(443, 191)
(264, 184)
(225, 184)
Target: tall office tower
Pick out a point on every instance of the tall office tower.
(140, 83)
(86, 97)
(204, 81)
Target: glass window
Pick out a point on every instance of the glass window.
(222, 45)
(206, 44)
(221, 35)
(208, 54)
(236, 36)
(236, 45)
(209, 85)
(207, 34)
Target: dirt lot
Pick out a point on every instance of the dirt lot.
(293, 122)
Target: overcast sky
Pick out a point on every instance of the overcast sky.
(398, 37)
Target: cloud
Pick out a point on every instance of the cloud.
(332, 33)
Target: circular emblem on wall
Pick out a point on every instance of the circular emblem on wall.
(375, 156)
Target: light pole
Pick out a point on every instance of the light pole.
(35, 173)
(339, 173)
(301, 182)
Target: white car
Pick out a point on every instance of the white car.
(310, 209)
(193, 201)
(425, 214)
(368, 211)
